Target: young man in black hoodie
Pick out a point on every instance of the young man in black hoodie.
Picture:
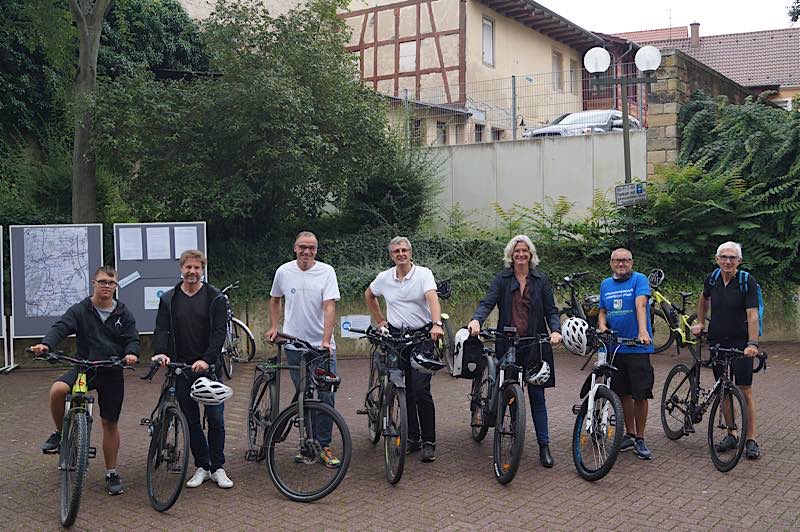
(190, 327)
(105, 328)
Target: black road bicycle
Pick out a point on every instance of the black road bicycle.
(684, 402)
(240, 344)
(75, 449)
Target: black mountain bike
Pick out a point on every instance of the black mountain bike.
(75, 448)
(385, 402)
(168, 453)
(684, 402)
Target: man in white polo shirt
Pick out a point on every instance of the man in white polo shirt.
(311, 291)
(411, 302)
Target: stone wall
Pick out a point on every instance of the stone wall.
(678, 77)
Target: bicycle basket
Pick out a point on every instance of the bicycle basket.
(468, 358)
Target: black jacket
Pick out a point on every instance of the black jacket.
(164, 337)
(542, 313)
(96, 340)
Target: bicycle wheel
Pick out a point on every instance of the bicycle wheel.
(227, 361)
(167, 459)
(479, 405)
(293, 455)
(509, 433)
(74, 463)
(595, 448)
(445, 346)
(261, 411)
(728, 414)
(676, 401)
(395, 433)
(662, 334)
(242, 346)
(373, 403)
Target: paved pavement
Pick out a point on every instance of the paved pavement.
(680, 489)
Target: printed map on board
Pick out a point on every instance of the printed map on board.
(56, 269)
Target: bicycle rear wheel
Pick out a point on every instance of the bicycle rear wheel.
(509, 433)
(261, 411)
(676, 401)
(395, 433)
(227, 361)
(242, 346)
(728, 414)
(373, 403)
(294, 463)
(662, 333)
(595, 448)
(167, 459)
(74, 463)
(479, 405)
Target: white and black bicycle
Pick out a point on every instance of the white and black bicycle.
(240, 344)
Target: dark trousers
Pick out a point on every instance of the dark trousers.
(323, 425)
(539, 414)
(208, 454)
(419, 402)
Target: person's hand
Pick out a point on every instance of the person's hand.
(326, 345)
(130, 359)
(750, 351)
(644, 338)
(601, 328)
(161, 358)
(200, 366)
(436, 332)
(474, 327)
(40, 349)
(696, 329)
(272, 334)
(555, 338)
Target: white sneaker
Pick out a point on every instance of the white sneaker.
(221, 479)
(200, 476)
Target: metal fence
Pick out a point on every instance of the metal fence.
(518, 107)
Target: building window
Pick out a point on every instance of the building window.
(416, 133)
(441, 133)
(408, 56)
(459, 133)
(558, 71)
(488, 42)
(497, 134)
(479, 132)
(574, 77)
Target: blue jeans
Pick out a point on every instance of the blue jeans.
(208, 454)
(539, 413)
(322, 424)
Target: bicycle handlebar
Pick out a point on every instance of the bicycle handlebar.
(406, 337)
(59, 356)
(716, 350)
(156, 365)
(494, 334)
(233, 286)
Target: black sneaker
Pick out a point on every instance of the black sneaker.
(114, 484)
(413, 446)
(52, 444)
(627, 443)
(752, 452)
(428, 452)
(728, 443)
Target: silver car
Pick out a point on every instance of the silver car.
(583, 123)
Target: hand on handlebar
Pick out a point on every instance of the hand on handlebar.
(200, 366)
(555, 338)
(272, 334)
(436, 332)
(696, 329)
(750, 351)
(474, 327)
(130, 359)
(643, 338)
(39, 349)
(161, 359)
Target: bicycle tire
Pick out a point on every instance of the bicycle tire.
(663, 336)
(167, 459)
(227, 361)
(74, 465)
(373, 403)
(480, 386)
(446, 345)
(506, 463)
(676, 401)
(261, 412)
(395, 433)
(603, 452)
(243, 342)
(306, 479)
(725, 463)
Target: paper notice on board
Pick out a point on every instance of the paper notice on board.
(158, 243)
(130, 243)
(152, 295)
(125, 281)
(185, 238)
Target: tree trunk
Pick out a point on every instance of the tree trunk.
(88, 15)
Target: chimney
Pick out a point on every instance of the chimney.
(694, 36)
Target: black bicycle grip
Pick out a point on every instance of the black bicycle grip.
(153, 370)
(762, 362)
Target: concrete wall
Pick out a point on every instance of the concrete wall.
(527, 171)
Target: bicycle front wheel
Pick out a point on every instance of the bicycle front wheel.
(509, 433)
(728, 417)
(662, 333)
(294, 451)
(167, 459)
(676, 402)
(74, 463)
(479, 405)
(595, 447)
(242, 346)
(395, 433)
(261, 411)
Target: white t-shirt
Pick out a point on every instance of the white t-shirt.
(304, 292)
(406, 305)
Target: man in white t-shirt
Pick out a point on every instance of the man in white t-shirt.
(310, 290)
(411, 302)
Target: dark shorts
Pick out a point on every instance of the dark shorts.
(634, 376)
(741, 370)
(110, 386)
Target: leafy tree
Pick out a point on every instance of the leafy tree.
(794, 10)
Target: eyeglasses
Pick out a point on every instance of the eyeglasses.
(728, 258)
(620, 261)
(105, 283)
(304, 247)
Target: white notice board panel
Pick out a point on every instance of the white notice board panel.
(146, 256)
(52, 267)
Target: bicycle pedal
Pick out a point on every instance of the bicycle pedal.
(145, 421)
(362, 411)
(576, 409)
(92, 452)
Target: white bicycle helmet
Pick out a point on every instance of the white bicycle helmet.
(426, 361)
(573, 333)
(209, 392)
(538, 374)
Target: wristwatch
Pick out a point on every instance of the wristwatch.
(754, 343)
(439, 323)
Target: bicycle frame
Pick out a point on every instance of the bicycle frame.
(681, 329)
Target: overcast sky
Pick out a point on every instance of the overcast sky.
(715, 16)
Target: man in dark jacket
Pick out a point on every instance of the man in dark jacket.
(190, 327)
(105, 328)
